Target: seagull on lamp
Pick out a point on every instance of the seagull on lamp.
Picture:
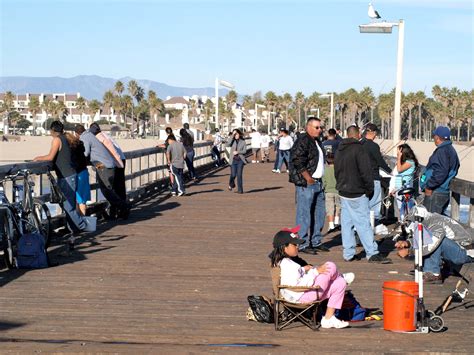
(373, 14)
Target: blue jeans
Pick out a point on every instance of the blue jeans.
(283, 156)
(236, 170)
(376, 201)
(68, 188)
(310, 213)
(190, 163)
(277, 154)
(437, 202)
(355, 213)
(448, 250)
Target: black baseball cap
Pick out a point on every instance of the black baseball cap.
(287, 236)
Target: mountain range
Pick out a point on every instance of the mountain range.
(93, 86)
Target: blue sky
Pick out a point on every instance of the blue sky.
(277, 45)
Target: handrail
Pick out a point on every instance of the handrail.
(146, 172)
(458, 187)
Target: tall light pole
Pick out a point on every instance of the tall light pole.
(225, 84)
(386, 27)
(256, 112)
(331, 95)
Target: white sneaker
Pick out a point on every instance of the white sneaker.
(180, 193)
(349, 277)
(278, 171)
(253, 161)
(173, 193)
(470, 253)
(274, 170)
(288, 171)
(333, 322)
(258, 161)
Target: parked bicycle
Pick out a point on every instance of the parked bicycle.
(23, 214)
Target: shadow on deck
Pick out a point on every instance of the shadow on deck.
(175, 277)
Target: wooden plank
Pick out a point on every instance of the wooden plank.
(175, 277)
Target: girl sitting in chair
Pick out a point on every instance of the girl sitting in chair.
(332, 284)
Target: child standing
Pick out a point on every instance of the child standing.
(175, 155)
(333, 204)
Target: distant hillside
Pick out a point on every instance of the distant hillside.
(92, 86)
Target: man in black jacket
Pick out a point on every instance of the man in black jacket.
(376, 162)
(355, 184)
(306, 172)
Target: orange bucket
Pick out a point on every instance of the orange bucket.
(399, 305)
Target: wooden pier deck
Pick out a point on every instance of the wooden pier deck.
(174, 278)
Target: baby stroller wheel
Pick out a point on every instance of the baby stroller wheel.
(436, 324)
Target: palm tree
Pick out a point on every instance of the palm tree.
(81, 105)
(420, 99)
(286, 101)
(126, 104)
(156, 107)
(118, 88)
(8, 106)
(366, 102)
(58, 110)
(409, 101)
(34, 107)
(117, 105)
(108, 100)
(271, 100)
(94, 107)
(208, 107)
(137, 93)
(299, 101)
(386, 103)
(231, 99)
(247, 102)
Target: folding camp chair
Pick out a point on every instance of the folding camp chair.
(286, 312)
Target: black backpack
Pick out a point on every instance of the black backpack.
(262, 309)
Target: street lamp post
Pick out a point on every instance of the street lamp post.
(256, 113)
(386, 27)
(331, 95)
(225, 84)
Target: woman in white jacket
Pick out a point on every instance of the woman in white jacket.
(326, 276)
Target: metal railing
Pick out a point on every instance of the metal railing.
(459, 188)
(146, 174)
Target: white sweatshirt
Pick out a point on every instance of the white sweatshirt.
(292, 274)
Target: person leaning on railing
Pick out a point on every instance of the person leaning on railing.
(104, 164)
(120, 161)
(60, 155)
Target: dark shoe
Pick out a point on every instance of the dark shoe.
(354, 258)
(321, 247)
(308, 251)
(432, 279)
(239, 192)
(124, 213)
(379, 259)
